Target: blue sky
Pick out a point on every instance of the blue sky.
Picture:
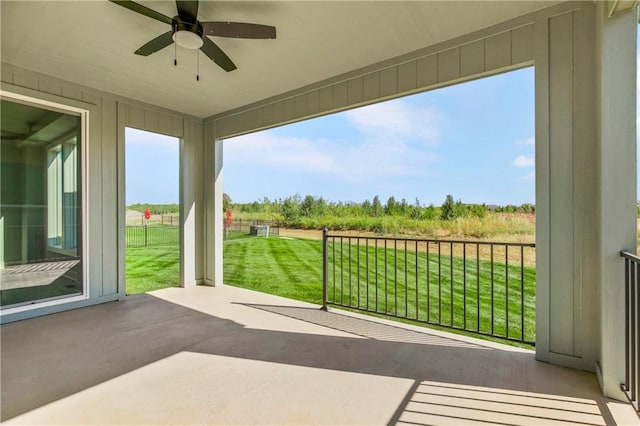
(152, 164)
(473, 140)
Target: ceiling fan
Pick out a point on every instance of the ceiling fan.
(188, 32)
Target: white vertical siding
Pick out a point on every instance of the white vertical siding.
(213, 190)
(561, 191)
(486, 55)
(105, 166)
(616, 181)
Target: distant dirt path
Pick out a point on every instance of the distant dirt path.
(314, 234)
(499, 254)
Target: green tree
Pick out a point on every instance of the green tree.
(448, 209)
(367, 208)
(290, 208)
(307, 206)
(226, 202)
(392, 206)
(416, 210)
(430, 213)
(403, 207)
(376, 207)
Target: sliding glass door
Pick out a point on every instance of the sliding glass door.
(40, 204)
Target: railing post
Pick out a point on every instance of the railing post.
(325, 269)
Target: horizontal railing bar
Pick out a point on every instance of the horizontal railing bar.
(630, 256)
(436, 241)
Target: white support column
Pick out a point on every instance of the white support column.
(190, 176)
(218, 216)
(566, 203)
(214, 214)
(617, 144)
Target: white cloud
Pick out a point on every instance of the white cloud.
(397, 121)
(529, 177)
(526, 142)
(268, 149)
(349, 160)
(394, 140)
(524, 161)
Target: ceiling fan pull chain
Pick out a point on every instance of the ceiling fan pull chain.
(175, 54)
(198, 65)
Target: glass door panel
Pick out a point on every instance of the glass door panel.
(40, 204)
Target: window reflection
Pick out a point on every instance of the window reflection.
(40, 204)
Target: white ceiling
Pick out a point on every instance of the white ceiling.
(92, 43)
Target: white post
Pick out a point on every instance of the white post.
(214, 216)
(218, 215)
(618, 174)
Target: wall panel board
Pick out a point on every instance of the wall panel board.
(108, 116)
(561, 174)
(498, 50)
(427, 70)
(472, 57)
(449, 65)
(371, 86)
(355, 91)
(407, 77)
(108, 146)
(389, 82)
(522, 44)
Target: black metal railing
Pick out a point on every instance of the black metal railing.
(145, 236)
(632, 328)
(486, 288)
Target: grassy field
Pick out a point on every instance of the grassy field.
(152, 268)
(292, 268)
(511, 227)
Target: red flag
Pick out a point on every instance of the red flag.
(228, 219)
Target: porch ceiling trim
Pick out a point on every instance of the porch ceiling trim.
(475, 55)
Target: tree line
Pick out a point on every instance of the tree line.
(295, 207)
(155, 208)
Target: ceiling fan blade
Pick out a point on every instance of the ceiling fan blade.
(238, 30)
(187, 10)
(143, 10)
(156, 44)
(217, 55)
(12, 136)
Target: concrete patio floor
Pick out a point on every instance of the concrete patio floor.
(225, 355)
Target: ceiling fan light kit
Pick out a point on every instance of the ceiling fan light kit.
(187, 35)
(188, 32)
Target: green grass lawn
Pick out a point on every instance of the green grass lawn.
(293, 268)
(156, 266)
(152, 235)
(152, 268)
(289, 268)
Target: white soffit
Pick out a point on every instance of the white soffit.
(92, 43)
